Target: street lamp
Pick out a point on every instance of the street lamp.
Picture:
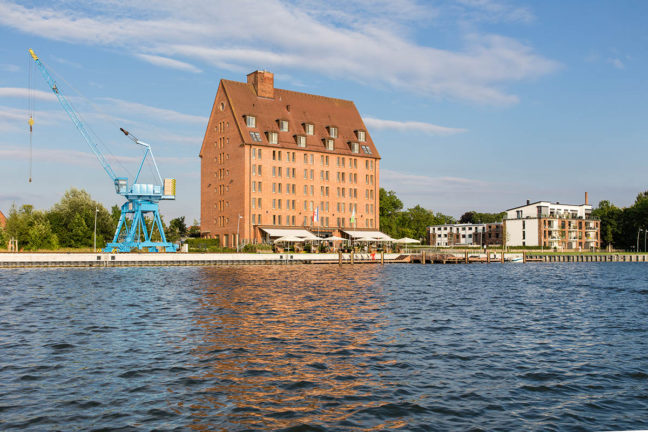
(638, 238)
(94, 247)
(237, 231)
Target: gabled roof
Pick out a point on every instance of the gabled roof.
(297, 108)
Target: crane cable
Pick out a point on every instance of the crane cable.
(30, 111)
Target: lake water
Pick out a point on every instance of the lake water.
(534, 346)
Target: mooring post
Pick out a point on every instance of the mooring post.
(352, 257)
(340, 257)
(422, 257)
(466, 258)
(524, 258)
(502, 256)
(487, 257)
(382, 257)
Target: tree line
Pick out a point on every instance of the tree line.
(620, 226)
(70, 224)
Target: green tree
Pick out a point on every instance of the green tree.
(18, 224)
(40, 233)
(177, 229)
(611, 222)
(72, 220)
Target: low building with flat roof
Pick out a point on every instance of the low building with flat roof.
(465, 234)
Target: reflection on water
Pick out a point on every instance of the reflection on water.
(287, 345)
(325, 348)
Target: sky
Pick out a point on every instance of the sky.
(472, 104)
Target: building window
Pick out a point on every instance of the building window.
(329, 144)
(301, 140)
(256, 136)
(333, 132)
(309, 128)
(366, 149)
(273, 138)
(283, 125)
(361, 135)
(250, 121)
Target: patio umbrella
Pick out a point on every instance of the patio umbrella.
(407, 240)
(333, 238)
(288, 239)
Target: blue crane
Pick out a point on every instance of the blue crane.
(132, 230)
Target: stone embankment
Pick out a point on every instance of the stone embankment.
(188, 259)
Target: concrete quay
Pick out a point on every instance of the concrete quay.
(12, 260)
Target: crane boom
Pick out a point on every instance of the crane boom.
(74, 117)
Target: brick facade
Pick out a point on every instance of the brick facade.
(271, 157)
(3, 220)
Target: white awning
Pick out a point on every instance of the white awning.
(279, 232)
(376, 235)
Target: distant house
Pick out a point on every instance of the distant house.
(3, 220)
(553, 225)
(465, 234)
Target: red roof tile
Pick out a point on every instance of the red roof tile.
(298, 108)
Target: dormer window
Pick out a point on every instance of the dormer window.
(366, 149)
(329, 143)
(333, 131)
(283, 125)
(250, 121)
(301, 140)
(255, 136)
(362, 135)
(309, 128)
(273, 137)
(355, 147)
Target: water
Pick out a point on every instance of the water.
(323, 348)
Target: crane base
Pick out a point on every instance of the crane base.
(133, 231)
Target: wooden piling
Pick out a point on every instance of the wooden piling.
(487, 257)
(502, 256)
(382, 257)
(352, 257)
(466, 257)
(423, 257)
(340, 257)
(524, 257)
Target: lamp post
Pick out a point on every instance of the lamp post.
(638, 232)
(237, 231)
(94, 247)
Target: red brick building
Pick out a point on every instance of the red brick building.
(273, 158)
(3, 220)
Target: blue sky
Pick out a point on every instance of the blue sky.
(473, 104)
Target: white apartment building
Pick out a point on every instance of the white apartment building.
(552, 225)
(458, 234)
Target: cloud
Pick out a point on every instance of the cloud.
(169, 63)
(495, 11)
(19, 92)
(617, 63)
(362, 42)
(9, 68)
(413, 183)
(428, 128)
(159, 114)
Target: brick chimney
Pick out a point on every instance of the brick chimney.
(263, 83)
(586, 199)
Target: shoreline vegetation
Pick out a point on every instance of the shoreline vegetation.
(68, 227)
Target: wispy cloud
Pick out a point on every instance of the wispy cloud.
(496, 11)
(20, 92)
(428, 128)
(616, 62)
(177, 34)
(9, 68)
(414, 183)
(159, 114)
(169, 63)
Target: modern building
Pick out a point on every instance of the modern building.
(552, 225)
(465, 234)
(275, 159)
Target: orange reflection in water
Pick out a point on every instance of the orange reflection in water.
(288, 345)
